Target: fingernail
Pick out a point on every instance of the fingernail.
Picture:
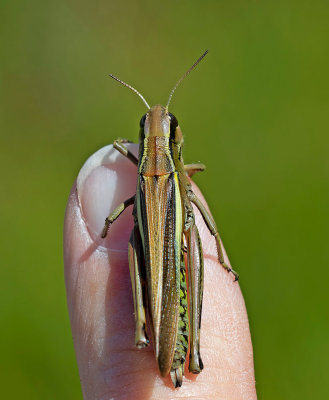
(106, 179)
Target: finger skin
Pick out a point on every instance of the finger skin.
(101, 306)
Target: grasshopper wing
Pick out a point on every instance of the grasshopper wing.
(159, 214)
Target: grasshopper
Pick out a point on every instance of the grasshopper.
(164, 231)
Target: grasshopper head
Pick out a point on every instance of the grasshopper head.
(158, 122)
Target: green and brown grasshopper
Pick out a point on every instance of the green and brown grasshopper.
(164, 231)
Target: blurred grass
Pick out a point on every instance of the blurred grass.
(256, 112)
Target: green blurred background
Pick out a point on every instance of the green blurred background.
(255, 111)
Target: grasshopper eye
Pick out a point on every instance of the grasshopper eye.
(173, 125)
(173, 121)
(142, 121)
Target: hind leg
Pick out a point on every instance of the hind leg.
(213, 230)
(135, 263)
(195, 270)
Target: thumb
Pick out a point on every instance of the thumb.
(101, 306)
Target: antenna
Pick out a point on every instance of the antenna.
(184, 76)
(131, 88)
